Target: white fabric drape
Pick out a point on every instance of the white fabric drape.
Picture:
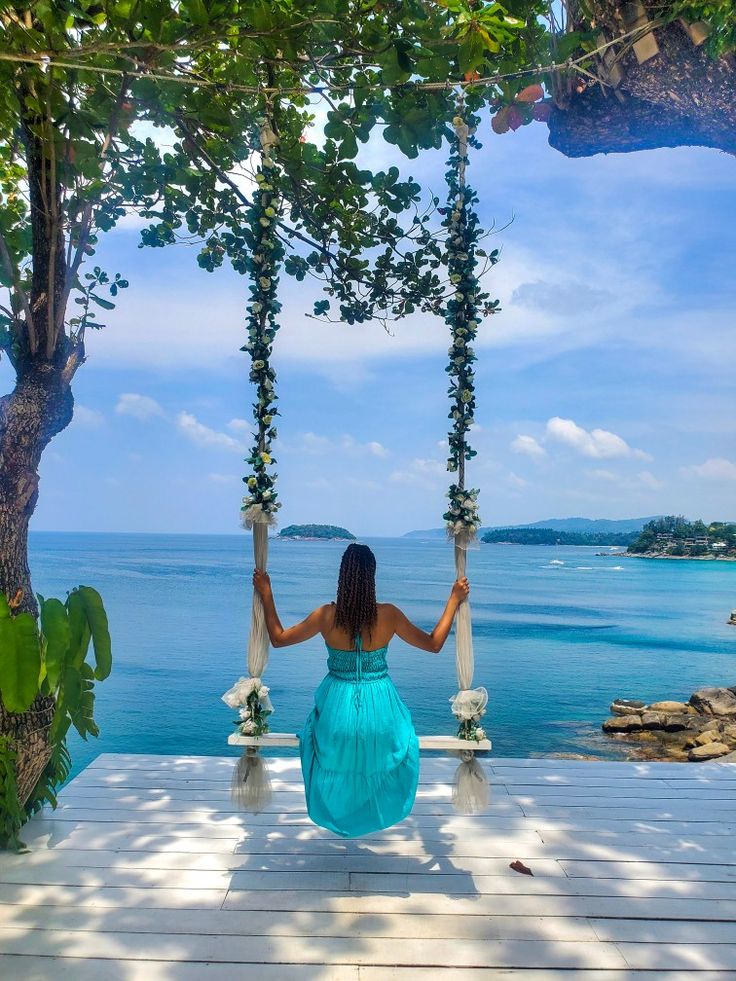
(258, 640)
(464, 660)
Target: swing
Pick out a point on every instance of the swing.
(261, 505)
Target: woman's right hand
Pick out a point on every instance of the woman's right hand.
(460, 590)
(261, 583)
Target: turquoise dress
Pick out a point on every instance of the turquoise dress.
(359, 750)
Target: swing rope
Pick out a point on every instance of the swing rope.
(462, 316)
(251, 787)
(262, 257)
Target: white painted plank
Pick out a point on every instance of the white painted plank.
(279, 804)
(466, 884)
(298, 924)
(311, 950)
(38, 866)
(38, 968)
(682, 957)
(680, 872)
(511, 905)
(663, 931)
(33, 895)
(227, 825)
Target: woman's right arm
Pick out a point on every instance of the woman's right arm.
(434, 641)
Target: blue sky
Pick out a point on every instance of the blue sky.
(606, 387)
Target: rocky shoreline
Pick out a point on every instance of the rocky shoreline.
(703, 728)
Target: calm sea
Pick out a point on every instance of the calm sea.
(559, 632)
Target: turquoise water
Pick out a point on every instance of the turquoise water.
(559, 632)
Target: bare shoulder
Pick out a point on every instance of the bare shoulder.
(388, 611)
(325, 613)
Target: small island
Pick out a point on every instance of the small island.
(316, 533)
(674, 537)
(553, 536)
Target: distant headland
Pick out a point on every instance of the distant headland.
(317, 533)
(674, 537)
(594, 527)
(553, 536)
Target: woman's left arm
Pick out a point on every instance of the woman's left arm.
(279, 636)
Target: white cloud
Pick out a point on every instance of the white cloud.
(419, 471)
(202, 435)
(644, 479)
(516, 481)
(315, 443)
(716, 468)
(140, 407)
(596, 443)
(528, 446)
(86, 418)
(240, 425)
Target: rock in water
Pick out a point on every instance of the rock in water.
(715, 701)
(708, 752)
(625, 706)
(668, 707)
(623, 723)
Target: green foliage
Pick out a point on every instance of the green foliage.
(316, 531)
(262, 256)
(462, 312)
(675, 535)
(12, 815)
(20, 658)
(62, 639)
(206, 70)
(551, 536)
(720, 15)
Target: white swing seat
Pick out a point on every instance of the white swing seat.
(445, 743)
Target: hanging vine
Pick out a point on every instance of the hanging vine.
(463, 312)
(262, 258)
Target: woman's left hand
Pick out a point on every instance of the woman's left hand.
(261, 583)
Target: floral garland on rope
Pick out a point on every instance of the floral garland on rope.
(262, 261)
(462, 313)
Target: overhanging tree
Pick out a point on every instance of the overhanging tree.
(82, 83)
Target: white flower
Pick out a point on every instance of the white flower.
(480, 734)
(248, 727)
(238, 694)
(244, 712)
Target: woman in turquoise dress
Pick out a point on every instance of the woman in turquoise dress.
(359, 750)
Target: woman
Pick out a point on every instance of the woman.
(359, 751)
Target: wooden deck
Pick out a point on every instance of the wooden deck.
(146, 872)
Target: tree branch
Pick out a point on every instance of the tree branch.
(15, 277)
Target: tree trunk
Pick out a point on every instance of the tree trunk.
(39, 407)
(677, 95)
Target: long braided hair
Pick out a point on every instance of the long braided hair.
(356, 591)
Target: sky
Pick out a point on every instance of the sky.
(606, 387)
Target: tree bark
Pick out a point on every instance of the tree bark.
(680, 97)
(39, 407)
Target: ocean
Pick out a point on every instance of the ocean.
(558, 631)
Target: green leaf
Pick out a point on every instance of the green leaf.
(55, 627)
(97, 619)
(472, 52)
(197, 12)
(79, 629)
(20, 661)
(101, 302)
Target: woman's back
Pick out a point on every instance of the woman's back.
(372, 638)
